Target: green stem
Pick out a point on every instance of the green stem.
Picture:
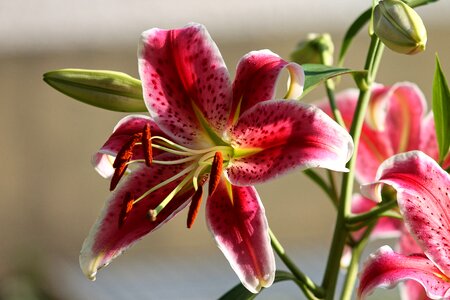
(333, 188)
(340, 231)
(329, 87)
(307, 282)
(372, 214)
(321, 183)
(352, 271)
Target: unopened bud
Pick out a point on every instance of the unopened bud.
(106, 89)
(316, 49)
(399, 27)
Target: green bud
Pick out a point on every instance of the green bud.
(316, 49)
(105, 89)
(399, 27)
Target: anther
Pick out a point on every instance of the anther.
(216, 172)
(195, 203)
(126, 152)
(146, 145)
(127, 206)
(118, 173)
(122, 158)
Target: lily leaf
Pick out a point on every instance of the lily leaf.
(441, 110)
(359, 23)
(239, 292)
(315, 74)
(110, 90)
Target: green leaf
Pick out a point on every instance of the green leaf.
(239, 292)
(359, 23)
(105, 89)
(352, 32)
(441, 110)
(315, 74)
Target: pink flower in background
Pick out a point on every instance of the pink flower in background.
(423, 197)
(395, 122)
(202, 128)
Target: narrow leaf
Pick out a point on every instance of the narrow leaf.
(239, 292)
(352, 32)
(105, 89)
(441, 110)
(315, 74)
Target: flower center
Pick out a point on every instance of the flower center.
(198, 165)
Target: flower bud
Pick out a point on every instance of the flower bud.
(316, 49)
(399, 27)
(105, 89)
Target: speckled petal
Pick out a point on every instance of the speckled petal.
(126, 127)
(256, 79)
(410, 290)
(288, 135)
(386, 269)
(106, 239)
(423, 197)
(236, 218)
(181, 68)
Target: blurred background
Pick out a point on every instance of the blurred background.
(51, 195)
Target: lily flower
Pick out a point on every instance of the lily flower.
(395, 122)
(203, 129)
(423, 198)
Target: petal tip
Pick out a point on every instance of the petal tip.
(90, 265)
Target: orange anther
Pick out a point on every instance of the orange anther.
(195, 206)
(147, 145)
(127, 206)
(216, 173)
(118, 173)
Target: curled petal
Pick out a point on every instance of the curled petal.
(256, 79)
(410, 290)
(386, 269)
(107, 239)
(181, 71)
(122, 133)
(423, 197)
(281, 135)
(236, 218)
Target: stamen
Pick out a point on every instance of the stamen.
(165, 182)
(118, 173)
(153, 213)
(127, 206)
(216, 173)
(146, 144)
(166, 162)
(194, 207)
(126, 152)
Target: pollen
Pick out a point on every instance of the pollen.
(118, 173)
(216, 172)
(122, 158)
(146, 144)
(195, 206)
(127, 206)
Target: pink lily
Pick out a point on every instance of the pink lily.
(395, 122)
(423, 198)
(201, 127)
